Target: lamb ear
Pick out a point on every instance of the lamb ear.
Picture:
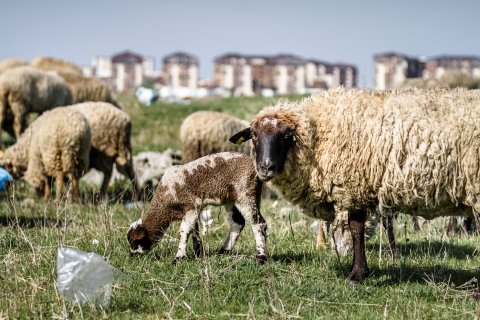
(242, 136)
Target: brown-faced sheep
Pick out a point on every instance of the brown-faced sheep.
(26, 89)
(54, 146)
(227, 179)
(10, 64)
(207, 132)
(412, 151)
(111, 130)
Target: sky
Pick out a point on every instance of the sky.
(345, 31)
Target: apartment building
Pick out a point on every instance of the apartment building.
(437, 66)
(284, 73)
(392, 69)
(180, 69)
(123, 71)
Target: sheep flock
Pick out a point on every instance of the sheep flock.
(343, 156)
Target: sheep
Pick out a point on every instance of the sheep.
(412, 151)
(26, 89)
(83, 88)
(88, 89)
(54, 64)
(226, 178)
(207, 132)
(56, 145)
(111, 129)
(10, 64)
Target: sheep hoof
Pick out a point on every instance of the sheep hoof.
(357, 275)
(198, 251)
(261, 259)
(223, 251)
(176, 260)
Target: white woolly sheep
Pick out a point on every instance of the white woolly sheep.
(227, 179)
(207, 132)
(111, 130)
(55, 146)
(26, 89)
(412, 151)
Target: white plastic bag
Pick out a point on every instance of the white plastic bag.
(84, 277)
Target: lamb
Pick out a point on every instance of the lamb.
(26, 89)
(207, 132)
(226, 178)
(56, 145)
(111, 129)
(414, 151)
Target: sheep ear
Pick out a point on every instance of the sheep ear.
(138, 234)
(242, 136)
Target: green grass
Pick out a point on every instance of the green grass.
(156, 128)
(298, 281)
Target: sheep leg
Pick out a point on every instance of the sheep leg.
(452, 226)
(58, 193)
(75, 190)
(186, 227)
(321, 235)
(197, 242)
(46, 189)
(19, 118)
(388, 226)
(468, 224)
(359, 270)
(416, 225)
(107, 174)
(237, 223)
(127, 170)
(259, 227)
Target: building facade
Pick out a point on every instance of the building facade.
(436, 67)
(285, 73)
(123, 71)
(181, 69)
(392, 69)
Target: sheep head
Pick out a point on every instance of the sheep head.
(138, 238)
(272, 138)
(12, 166)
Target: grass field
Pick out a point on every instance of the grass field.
(435, 277)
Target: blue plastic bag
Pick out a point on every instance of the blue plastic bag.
(4, 177)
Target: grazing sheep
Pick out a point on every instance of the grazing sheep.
(87, 89)
(225, 178)
(26, 89)
(54, 64)
(412, 151)
(10, 64)
(207, 132)
(54, 146)
(83, 88)
(111, 129)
